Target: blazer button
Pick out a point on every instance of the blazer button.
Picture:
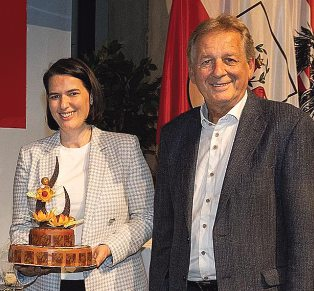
(184, 278)
(188, 239)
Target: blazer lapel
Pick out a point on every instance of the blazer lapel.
(48, 161)
(99, 155)
(251, 128)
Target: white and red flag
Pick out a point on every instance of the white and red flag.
(274, 26)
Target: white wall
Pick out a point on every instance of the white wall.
(48, 39)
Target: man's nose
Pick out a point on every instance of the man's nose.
(219, 68)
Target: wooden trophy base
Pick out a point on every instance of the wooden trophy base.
(45, 256)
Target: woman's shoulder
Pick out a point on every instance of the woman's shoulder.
(41, 144)
(115, 137)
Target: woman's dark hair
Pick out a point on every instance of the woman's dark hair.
(77, 69)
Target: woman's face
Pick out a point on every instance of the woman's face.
(68, 101)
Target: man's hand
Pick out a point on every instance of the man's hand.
(31, 271)
(100, 253)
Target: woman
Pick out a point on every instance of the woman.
(107, 179)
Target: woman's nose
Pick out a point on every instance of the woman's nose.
(64, 101)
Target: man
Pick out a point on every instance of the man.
(234, 205)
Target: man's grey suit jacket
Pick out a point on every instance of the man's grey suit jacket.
(264, 228)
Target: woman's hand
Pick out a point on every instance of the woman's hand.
(31, 271)
(100, 253)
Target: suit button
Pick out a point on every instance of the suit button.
(188, 239)
(184, 278)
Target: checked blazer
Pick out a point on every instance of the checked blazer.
(118, 209)
(263, 233)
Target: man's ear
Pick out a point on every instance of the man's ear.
(191, 75)
(251, 63)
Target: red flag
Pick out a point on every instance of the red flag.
(185, 15)
(311, 3)
(13, 64)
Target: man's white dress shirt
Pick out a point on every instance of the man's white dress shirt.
(215, 146)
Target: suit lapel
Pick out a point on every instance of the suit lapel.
(252, 126)
(188, 162)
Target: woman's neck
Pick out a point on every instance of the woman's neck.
(76, 139)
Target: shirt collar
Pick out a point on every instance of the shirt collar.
(235, 111)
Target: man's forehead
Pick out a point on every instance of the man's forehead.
(229, 42)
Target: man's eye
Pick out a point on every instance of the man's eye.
(206, 63)
(230, 61)
(54, 96)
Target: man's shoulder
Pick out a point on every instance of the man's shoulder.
(183, 120)
(275, 109)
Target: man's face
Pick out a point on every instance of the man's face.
(220, 70)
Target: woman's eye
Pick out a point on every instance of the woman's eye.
(73, 93)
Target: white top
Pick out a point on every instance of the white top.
(73, 170)
(215, 146)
